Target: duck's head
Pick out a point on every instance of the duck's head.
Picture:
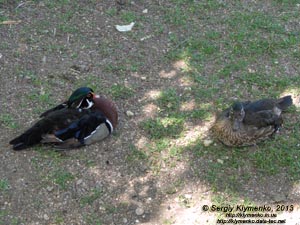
(81, 98)
(237, 115)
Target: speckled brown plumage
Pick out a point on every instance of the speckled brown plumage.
(247, 123)
(245, 136)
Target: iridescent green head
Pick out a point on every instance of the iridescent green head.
(81, 98)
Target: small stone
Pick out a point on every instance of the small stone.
(129, 113)
(220, 161)
(44, 59)
(46, 217)
(145, 11)
(78, 182)
(49, 189)
(143, 167)
(143, 78)
(188, 196)
(139, 211)
(125, 220)
(207, 142)
(251, 70)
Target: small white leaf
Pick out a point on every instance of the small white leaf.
(125, 28)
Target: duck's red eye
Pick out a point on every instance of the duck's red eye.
(89, 95)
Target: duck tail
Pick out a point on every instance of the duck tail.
(30, 137)
(285, 102)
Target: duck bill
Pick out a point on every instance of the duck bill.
(236, 125)
(95, 96)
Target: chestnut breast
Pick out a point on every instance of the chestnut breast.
(108, 108)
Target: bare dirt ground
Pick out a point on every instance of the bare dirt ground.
(57, 46)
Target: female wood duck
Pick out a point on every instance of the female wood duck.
(247, 123)
(82, 120)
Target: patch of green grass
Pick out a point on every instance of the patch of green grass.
(59, 217)
(3, 18)
(282, 154)
(117, 69)
(163, 127)
(92, 219)
(4, 185)
(159, 145)
(286, 3)
(169, 221)
(93, 81)
(56, 3)
(7, 218)
(175, 16)
(119, 91)
(62, 178)
(184, 201)
(110, 209)
(174, 187)
(68, 28)
(235, 66)
(169, 100)
(93, 196)
(8, 121)
(128, 17)
(175, 152)
(111, 12)
(136, 154)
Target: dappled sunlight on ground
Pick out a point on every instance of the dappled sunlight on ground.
(295, 93)
(188, 105)
(180, 65)
(169, 74)
(150, 110)
(153, 94)
(193, 133)
(161, 165)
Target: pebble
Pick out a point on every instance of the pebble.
(49, 188)
(78, 182)
(188, 196)
(207, 142)
(129, 113)
(125, 220)
(46, 217)
(139, 211)
(220, 161)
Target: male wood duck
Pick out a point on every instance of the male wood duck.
(81, 120)
(247, 123)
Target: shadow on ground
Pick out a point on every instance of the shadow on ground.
(157, 168)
